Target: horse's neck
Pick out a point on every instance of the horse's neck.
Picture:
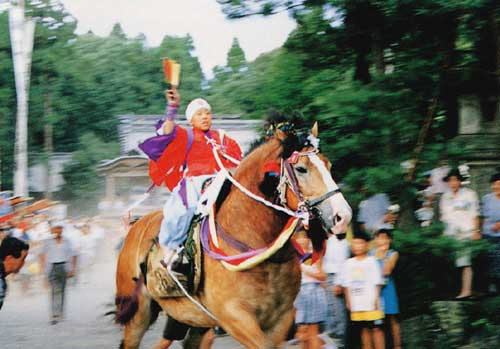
(249, 221)
(244, 218)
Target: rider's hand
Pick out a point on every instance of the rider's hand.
(173, 97)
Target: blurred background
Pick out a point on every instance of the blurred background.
(400, 89)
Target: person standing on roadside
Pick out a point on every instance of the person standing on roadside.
(490, 205)
(58, 259)
(336, 253)
(459, 208)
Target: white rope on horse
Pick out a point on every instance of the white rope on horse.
(198, 304)
(299, 214)
(303, 215)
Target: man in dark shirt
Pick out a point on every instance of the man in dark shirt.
(13, 252)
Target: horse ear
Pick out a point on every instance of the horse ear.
(314, 130)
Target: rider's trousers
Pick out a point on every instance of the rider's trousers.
(179, 210)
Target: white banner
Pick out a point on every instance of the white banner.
(21, 37)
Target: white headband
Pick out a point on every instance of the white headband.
(194, 106)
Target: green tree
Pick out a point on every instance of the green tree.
(235, 57)
(370, 71)
(117, 32)
(7, 105)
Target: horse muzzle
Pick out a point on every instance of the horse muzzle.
(335, 214)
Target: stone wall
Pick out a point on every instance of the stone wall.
(479, 141)
(451, 324)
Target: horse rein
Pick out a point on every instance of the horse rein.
(298, 214)
(289, 177)
(306, 210)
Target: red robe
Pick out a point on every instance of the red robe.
(168, 169)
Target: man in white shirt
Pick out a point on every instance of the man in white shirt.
(459, 208)
(58, 259)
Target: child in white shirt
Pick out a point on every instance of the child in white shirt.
(362, 282)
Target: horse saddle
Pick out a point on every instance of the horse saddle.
(158, 280)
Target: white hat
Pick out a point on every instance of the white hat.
(57, 223)
(194, 106)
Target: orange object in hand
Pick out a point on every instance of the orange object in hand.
(172, 71)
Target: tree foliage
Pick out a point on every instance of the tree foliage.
(235, 57)
(79, 84)
(369, 71)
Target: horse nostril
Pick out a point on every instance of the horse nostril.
(337, 219)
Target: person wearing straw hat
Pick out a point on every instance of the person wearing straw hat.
(182, 159)
(459, 209)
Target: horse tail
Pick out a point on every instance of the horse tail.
(130, 282)
(127, 306)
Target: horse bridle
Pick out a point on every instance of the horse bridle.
(306, 210)
(289, 177)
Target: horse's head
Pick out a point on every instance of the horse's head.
(306, 182)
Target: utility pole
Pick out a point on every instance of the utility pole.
(48, 145)
(21, 36)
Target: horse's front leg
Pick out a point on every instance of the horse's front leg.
(279, 332)
(241, 324)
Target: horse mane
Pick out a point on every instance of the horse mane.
(273, 149)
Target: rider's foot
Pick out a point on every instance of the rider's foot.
(168, 257)
(180, 263)
(173, 261)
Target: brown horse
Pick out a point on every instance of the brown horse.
(255, 306)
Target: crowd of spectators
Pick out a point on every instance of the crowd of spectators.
(59, 250)
(350, 293)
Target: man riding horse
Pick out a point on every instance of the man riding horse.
(182, 159)
(250, 270)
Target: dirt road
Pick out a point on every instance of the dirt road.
(24, 318)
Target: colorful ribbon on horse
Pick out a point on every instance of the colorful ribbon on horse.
(246, 260)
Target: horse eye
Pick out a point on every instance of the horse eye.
(301, 169)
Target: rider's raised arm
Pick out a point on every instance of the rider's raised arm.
(168, 125)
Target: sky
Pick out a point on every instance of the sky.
(212, 33)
